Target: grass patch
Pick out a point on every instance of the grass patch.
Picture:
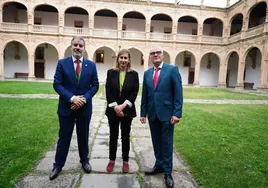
(21, 87)
(28, 129)
(225, 145)
(218, 94)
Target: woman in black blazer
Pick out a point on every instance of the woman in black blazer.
(122, 86)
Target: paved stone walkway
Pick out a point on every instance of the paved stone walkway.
(141, 156)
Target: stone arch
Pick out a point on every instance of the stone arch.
(109, 9)
(45, 4)
(105, 15)
(209, 69)
(189, 15)
(185, 60)
(259, 13)
(108, 60)
(162, 14)
(13, 40)
(22, 18)
(16, 60)
(232, 61)
(46, 56)
(51, 43)
(252, 70)
(238, 17)
(134, 21)
(66, 8)
(14, 1)
(249, 48)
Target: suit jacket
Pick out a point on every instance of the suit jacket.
(129, 92)
(66, 86)
(165, 100)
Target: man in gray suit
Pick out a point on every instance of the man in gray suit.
(162, 103)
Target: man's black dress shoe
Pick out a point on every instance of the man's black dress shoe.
(86, 167)
(54, 173)
(169, 181)
(155, 170)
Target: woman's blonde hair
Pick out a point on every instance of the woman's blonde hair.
(116, 66)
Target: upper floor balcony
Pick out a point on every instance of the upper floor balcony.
(134, 35)
(130, 25)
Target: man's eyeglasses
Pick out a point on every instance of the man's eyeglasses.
(155, 53)
(80, 45)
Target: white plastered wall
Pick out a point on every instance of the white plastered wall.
(12, 65)
(209, 77)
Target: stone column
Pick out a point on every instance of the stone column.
(119, 27)
(197, 71)
(174, 30)
(1, 15)
(200, 32)
(61, 23)
(146, 60)
(240, 75)
(2, 76)
(61, 47)
(222, 73)
(30, 21)
(147, 29)
(30, 49)
(244, 27)
(226, 33)
(264, 75)
(91, 24)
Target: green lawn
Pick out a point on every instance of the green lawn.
(21, 87)
(217, 93)
(12, 87)
(28, 129)
(225, 145)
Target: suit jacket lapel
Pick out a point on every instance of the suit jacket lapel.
(84, 69)
(151, 76)
(162, 72)
(70, 65)
(117, 81)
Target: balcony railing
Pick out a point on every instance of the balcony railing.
(235, 37)
(76, 31)
(211, 39)
(45, 29)
(133, 35)
(161, 36)
(105, 33)
(109, 33)
(187, 37)
(14, 27)
(254, 31)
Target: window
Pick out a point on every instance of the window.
(194, 31)
(100, 56)
(37, 21)
(78, 24)
(124, 27)
(167, 30)
(40, 53)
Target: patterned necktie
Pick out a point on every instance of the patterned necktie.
(156, 77)
(78, 68)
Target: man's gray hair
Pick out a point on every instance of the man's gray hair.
(157, 47)
(79, 38)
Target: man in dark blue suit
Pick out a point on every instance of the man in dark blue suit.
(76, 82)
(162, 103)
